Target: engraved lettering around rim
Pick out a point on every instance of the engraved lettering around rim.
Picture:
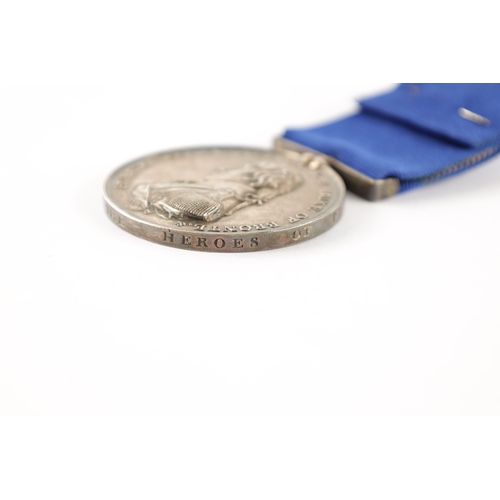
(324, 198)
(195, 181)
(114, 216)
(201, 242)
(302, 233)
(230, 229)
(297, 217)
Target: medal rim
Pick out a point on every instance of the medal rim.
(336, 209)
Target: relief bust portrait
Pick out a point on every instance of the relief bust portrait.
(219, 194)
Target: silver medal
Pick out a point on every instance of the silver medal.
(225, 199)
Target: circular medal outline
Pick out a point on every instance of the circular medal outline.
(333, 212)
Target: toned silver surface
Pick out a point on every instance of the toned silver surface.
(225, 199)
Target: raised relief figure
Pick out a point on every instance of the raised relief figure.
(220, 194)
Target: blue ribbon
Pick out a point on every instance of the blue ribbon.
(418, 133)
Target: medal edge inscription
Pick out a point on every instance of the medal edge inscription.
(218, 237)
(173, 237)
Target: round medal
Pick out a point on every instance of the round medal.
(225, 199)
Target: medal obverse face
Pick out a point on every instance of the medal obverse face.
(225, 199)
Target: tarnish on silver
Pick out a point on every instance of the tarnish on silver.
(225, 199)
(358, 183)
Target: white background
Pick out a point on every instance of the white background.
(392, 312)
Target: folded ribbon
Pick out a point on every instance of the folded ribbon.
(418, 133)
